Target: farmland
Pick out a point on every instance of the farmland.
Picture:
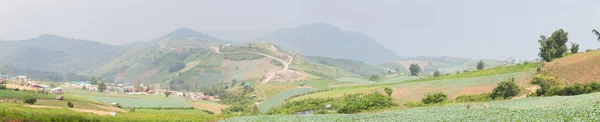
(279, 98)
(559, 108)
(577, 68)
(132, 102)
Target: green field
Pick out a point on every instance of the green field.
(133, 102)
(278, 99)
(172, 111)
(317, 84)
(8, 94)
(16, 112)
(559, 108)
(356, 80)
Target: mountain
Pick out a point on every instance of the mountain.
(445, 64)
(178, 33)
(13, 71)
(329, 41)
(58, 54)
(186, 61)
(356, 67)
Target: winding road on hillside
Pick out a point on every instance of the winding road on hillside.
(286, 65)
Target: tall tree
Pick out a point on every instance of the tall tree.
(574, 48)
(437, 73)
(480, 65)
(597, 34)
(554, 46)
(93, 80)
(414, 69)
(101, 86)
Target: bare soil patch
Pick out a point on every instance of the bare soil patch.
(578, 68)
(216, 108)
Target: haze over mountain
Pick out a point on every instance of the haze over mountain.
(326, 40)
(58, 54)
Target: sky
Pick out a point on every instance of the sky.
(463, 28)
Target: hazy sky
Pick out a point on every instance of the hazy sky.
(466, 28)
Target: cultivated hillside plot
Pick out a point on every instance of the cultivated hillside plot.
(581, 68)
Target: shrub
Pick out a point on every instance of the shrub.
(506, 89)
(414, 69)
(209, 112)
(303, 105)
(2, 86)
(437, 74)
(388, 91)
(434, 97)
(354, 103)
(548, 85)
(480, 65)
(132, 110)
(474, 98)
(70, 105)
(29, 100)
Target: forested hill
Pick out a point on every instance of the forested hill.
(329, 41)
(58, 54)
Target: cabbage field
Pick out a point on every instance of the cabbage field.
(558, 108)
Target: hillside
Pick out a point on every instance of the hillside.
(444, 64)
(192, 62)
(58, 54)
(178, 33)
(576, 68)
(329, 41)
(356, 67)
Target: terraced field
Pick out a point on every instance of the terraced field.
(278, 99)
(558, 108)
(133, 102)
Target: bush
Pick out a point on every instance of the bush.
(209, 112)
(29, 100)
(302, 105)
(355, 103)
(437, 74)
(70, 105)
(474, 98)
(506, 89)
(434, 97)
(132, 110)
(2, 86)
(549, 85)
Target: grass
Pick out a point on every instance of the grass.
(338, 92)
(558, 108)
(317, 84)
(133, 102)
(63, 103)
(16, 112)
(279, 98)
(10, 94)
(487, 72)
(356, 80)
(172, 111)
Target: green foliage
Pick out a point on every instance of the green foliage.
(94, 80)
(554, 46)
(596, 33)
(70, 105)
(101, 86)
(414, 69)
(485, 97)
(437, 74)
(240, 108)
(207, 111)
(574, 48)
(506, 89)
(278, 98)
(388, 91)
(489, 71)
(39, 74)
(23, 113)
(292, 107)
(29, 100)
(374, 78)
(355, 103)
(480, 65)
(434, 97)
(549, 85)
(276, 63)
(167, 93)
